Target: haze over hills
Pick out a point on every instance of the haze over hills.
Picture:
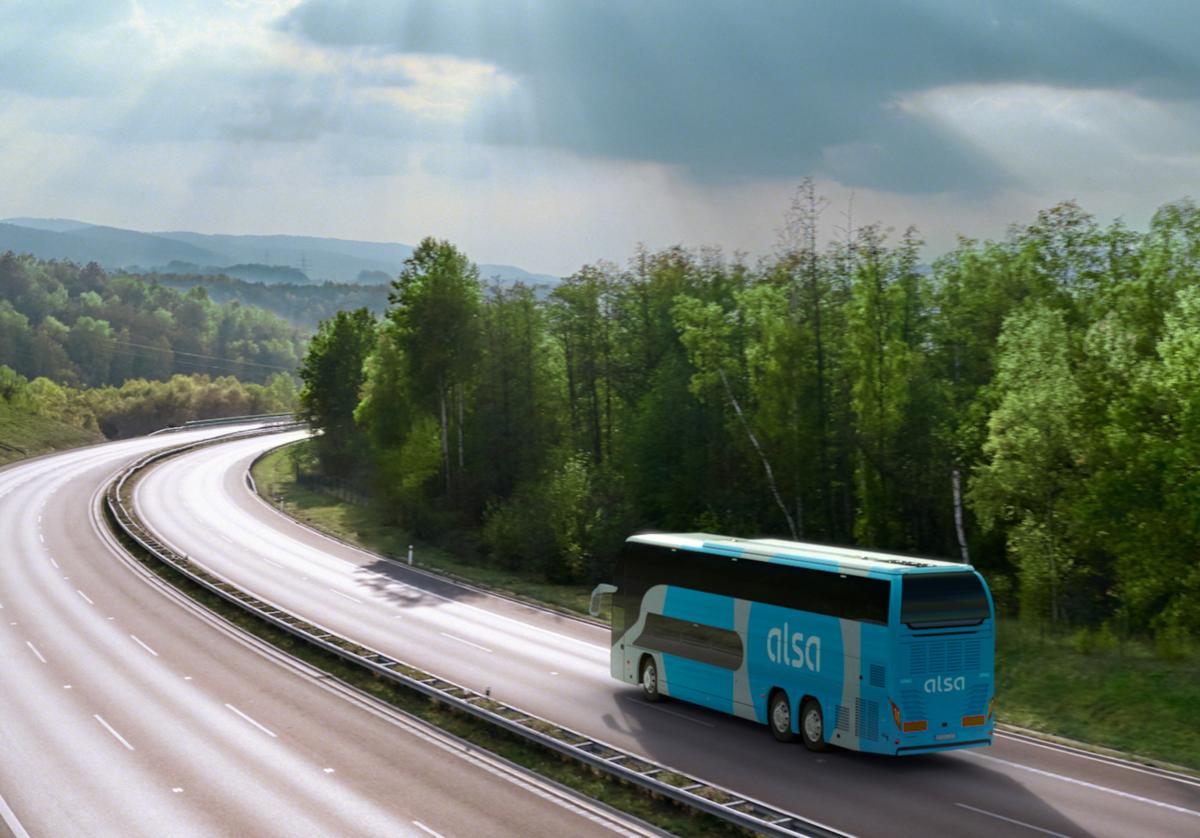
(267, 259)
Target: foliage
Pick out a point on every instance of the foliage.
(80, 326)
(1030, 404)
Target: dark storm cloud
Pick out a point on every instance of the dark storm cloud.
(782, 88)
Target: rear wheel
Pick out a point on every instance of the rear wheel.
(649, 679)
(779, 716)
(812, 725)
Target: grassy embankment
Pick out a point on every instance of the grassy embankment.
(1108, 695)
(22, 434)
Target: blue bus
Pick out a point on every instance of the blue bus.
(869, 651)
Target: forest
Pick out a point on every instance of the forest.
(82, 327)
(1030, 405)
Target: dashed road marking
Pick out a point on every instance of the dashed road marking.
(346, 596)
(143, 645)
(33, 649)
(251, 721)
(426, 829)
(109, 728)
(86, 598)
(1012, 820)
(467, 642)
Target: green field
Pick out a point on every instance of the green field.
(1114, 696)
(24, 434)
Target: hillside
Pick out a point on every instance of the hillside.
(301, 258)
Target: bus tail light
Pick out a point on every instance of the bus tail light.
(973, 721)
(895, 713)
(915, 727)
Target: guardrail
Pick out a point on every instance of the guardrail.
(660, 779)
(193, 424)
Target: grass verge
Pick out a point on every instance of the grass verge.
(1119, 697)
(626, 797)
(23, 434)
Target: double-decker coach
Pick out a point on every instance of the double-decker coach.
(868, 651)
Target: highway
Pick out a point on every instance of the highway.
(557, 667)
(127, 710)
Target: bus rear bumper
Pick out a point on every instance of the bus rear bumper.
(904, 750)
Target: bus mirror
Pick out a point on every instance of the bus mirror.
(599, 591)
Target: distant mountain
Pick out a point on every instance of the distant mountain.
(295, 259)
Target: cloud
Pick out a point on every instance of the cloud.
(773, 89)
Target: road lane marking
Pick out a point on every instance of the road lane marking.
(1116, 762)
(33, 649)
(327, 770)
(109, 728)
(1127, 795)
(1012, 820)
(56, 567)
(177, 790)
(41, 538)
(468, 642)
(251, 721)
(143, 645)
(347, 596)
(426, 829)
(643, 703)
(227, 538)
(85, 597)
(66, 686)
(10, 820)
(271, 561)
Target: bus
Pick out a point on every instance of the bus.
(868, 651)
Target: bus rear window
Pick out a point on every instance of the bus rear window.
(943, 599)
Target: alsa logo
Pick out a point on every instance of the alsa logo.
(792, 649)
(945, 684)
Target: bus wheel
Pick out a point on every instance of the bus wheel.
(779, 716)
(649, 679)
(812, 725)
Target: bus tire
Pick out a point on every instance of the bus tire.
(812, 725)
(779, 717)
(648, 678)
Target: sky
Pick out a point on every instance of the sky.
(553, 134)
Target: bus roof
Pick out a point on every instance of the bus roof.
(799, 553)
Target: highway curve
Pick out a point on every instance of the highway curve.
(558, 668)
(125, 709)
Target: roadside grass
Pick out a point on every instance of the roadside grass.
(22, 434)
(662, 813)
(1122, 697)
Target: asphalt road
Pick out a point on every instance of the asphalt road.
(127, 710)
(557, 667)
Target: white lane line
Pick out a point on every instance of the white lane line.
(1116, 762)
(272, 561)
(56, 567)
(1127, 795)
(1012, 820)
(644, 703)
(41, 538)
(177, 790)
(143, 645)
(426, 829)
(251, 721)
(467, 642)
(33, 649)
(227, 538)
(86, 598)
(109, 728)
(10, 820)
(347, 596)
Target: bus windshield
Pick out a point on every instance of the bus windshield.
(943, 599)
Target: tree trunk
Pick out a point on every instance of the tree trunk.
(956, 488)
(737, 408)
(445, 434)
